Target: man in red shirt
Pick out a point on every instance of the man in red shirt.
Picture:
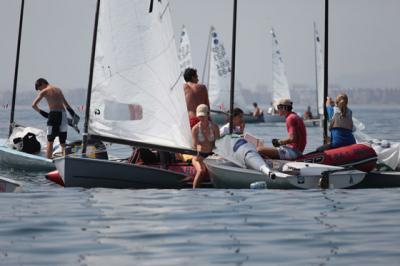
(293, 146)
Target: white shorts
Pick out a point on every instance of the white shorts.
(288, 153)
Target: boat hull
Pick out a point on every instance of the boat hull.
(18, 160)
(226, 175)
(358, 156)
(91, 173)
(9, 185)
(274, 118)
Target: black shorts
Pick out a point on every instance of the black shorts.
(57, 126)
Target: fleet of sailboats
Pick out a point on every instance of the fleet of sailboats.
(135, 98)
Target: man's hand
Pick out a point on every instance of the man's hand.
(276, 142)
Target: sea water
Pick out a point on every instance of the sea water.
(46, 224)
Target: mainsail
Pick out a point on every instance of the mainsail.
(220, 76)
(319, 72)
(280, 85)
(185, 51)
(137, 93)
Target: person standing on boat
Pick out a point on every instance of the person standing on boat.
(57, 117)
(341, 125)
(257, 110)
(195, 94)
(238, 123)
(204, 134)
(293, 146)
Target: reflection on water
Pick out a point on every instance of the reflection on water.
(49, 225)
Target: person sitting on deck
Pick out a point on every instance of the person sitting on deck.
(257, 110)
(204, 134)
(238, 123)
(341, 125)
(293, 146)
(307, 113)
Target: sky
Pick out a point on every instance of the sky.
(364, 39)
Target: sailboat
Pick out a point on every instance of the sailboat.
(19, 159)
(280, 84)
(219, 79)
(185, 50)
(9, 156)
(135, 97)
(319, 82)
(237, 165)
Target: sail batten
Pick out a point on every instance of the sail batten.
(137, 94)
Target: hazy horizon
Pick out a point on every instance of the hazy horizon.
(56, 40)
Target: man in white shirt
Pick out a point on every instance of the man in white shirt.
(238, 123)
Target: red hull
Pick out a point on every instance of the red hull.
(361, 157)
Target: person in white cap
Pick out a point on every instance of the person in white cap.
(293, 146)
(204, 134)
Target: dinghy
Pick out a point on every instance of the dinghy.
(138, 102)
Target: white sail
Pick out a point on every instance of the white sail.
(319, 71)
(185, 50)
(280, 84)
(137, 90)
(220, 76)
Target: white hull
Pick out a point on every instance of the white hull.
(225, 174)
(9, 185)
(91, 173)
(313, 122)
(17, 160)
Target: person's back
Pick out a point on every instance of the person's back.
(195, 95)
(54, 97)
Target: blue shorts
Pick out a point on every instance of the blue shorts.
(288, 153)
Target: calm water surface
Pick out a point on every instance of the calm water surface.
(49, 225)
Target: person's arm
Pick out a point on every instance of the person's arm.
(242, 125)
(207, 100)
(194, 137)
(36, 102)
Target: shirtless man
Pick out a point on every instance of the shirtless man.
(195, 94)
(57, 117)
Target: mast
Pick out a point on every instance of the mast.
(233, 67)
(89, 91)
(206, 60)
(326, 41)
(316, 68)
(21, 19)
